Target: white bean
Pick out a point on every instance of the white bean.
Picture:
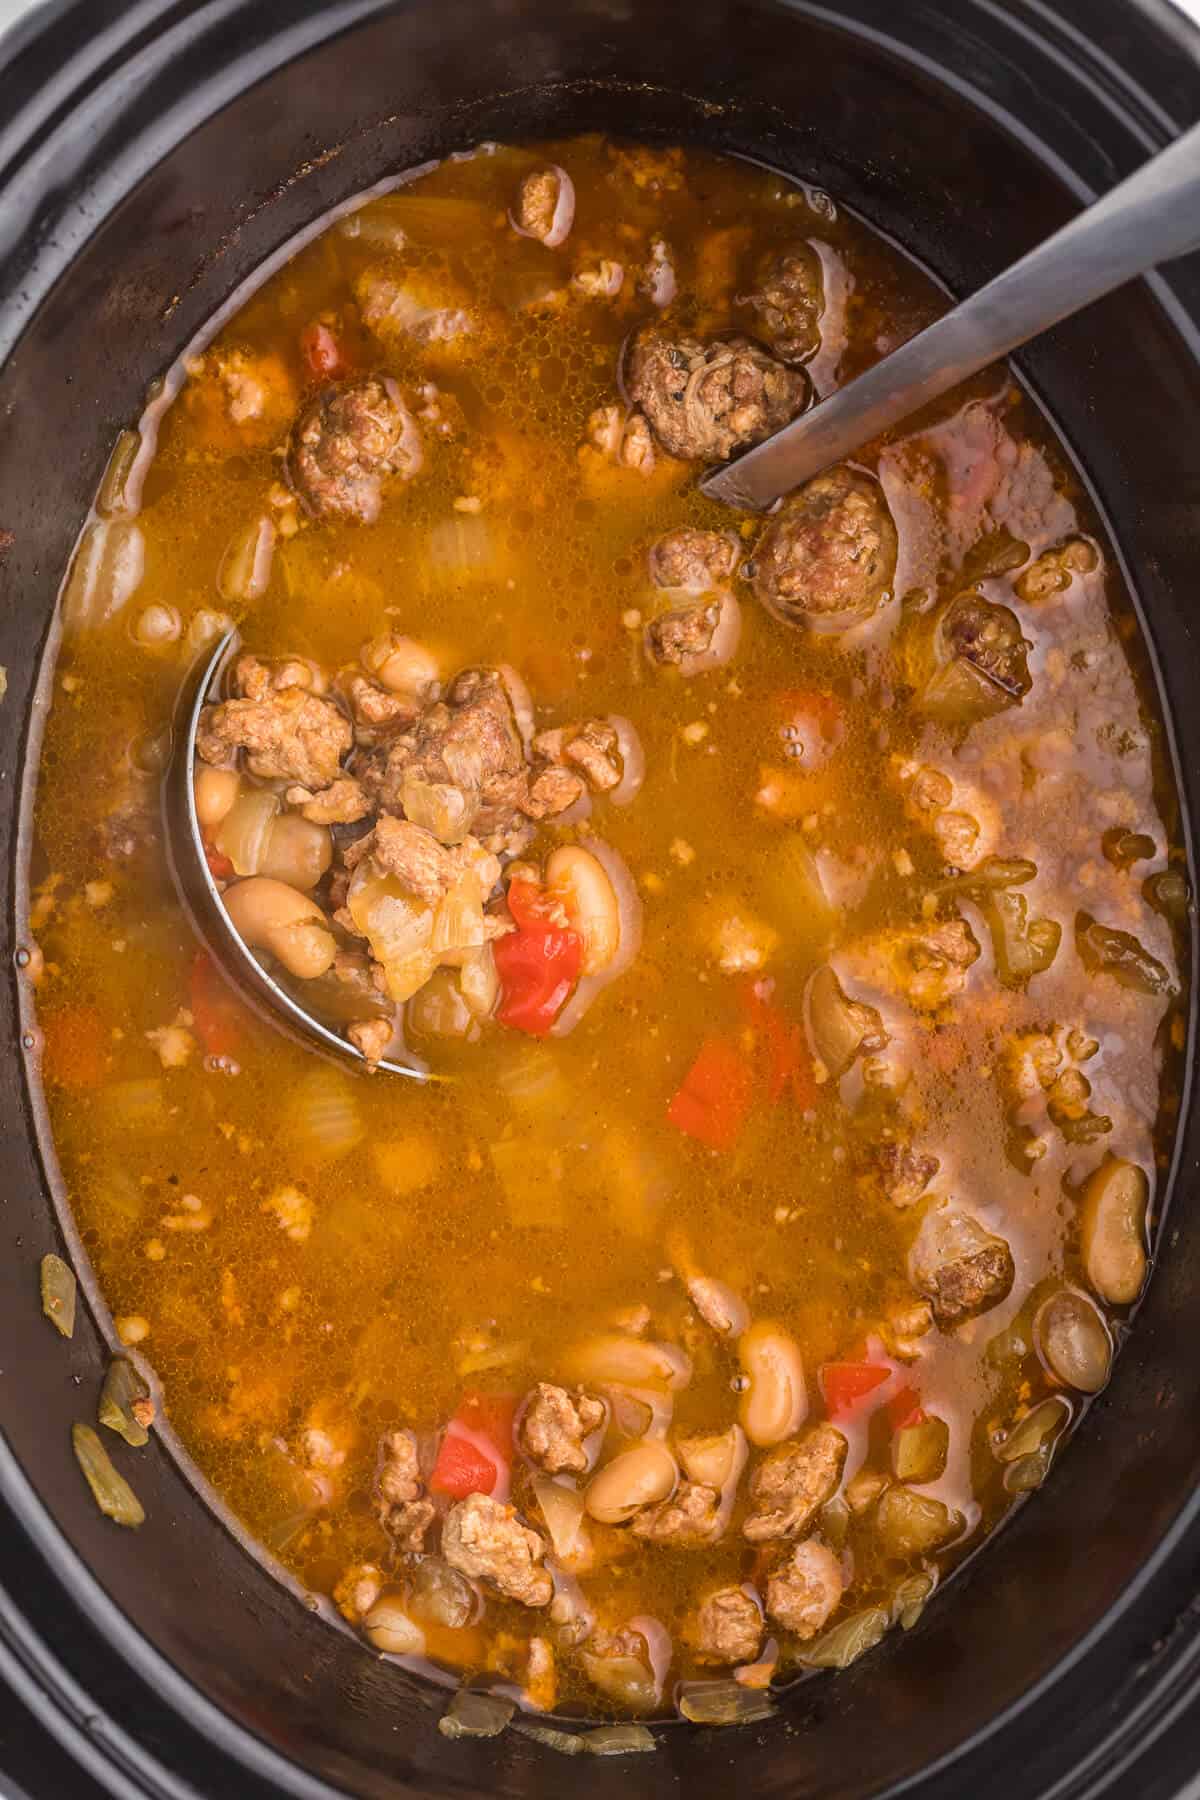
(775, 1404)
(156, 626)
(634, 1362)
(389, 1628)
(1073, 1340)
(577, 879)
(296, 851)
(401, 665)
(270, 915)
(216, 791)
(638, 1477)
(1113, 1230)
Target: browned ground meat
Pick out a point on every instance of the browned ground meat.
(903, 1173)
(537, 201)
(682, 633)
(691, 1516)
(961, 1266)
(591, 748)
(485, 1540)
(706, 401)
(697, 560)
(792, 1483)
(789, 301)
(726, 1627)
(289, 734)
(460, 768)
(346, 441)
(374, 706)
(805, 1590)
(341, 803)
(403, 1513)
(828, 556)
(424, 866)
(923, 964)
(554, 1425)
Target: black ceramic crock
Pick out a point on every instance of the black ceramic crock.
(151, 154)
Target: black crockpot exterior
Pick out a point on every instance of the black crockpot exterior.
(151, 154)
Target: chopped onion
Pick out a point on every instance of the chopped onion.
(106, 572)
(564, 213)
(394, 220)
(322, 1120)
(138, 1105)
(245, 570)
(630, 1362)
(120, 495)
(633, 761)
(397, 926)
(243, 832)
(629, 941)
(458, 917)
(722, 646)
(438, 806)
(562, 1509)
(479, 981)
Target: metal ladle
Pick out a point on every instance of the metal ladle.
(1148, 219)
(256, 981)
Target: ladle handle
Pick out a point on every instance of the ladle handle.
(1148, 219)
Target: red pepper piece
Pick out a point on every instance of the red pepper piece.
(713, 1103)
(847, 1385)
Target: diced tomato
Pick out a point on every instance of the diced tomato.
(322, 351)
(462, 1468)
(75, 1044)
(538, 969)
(533, 908)
(219, 864)
(219, 1019)
(476, 1447)
(717, 1092)
(786, 1061)
(846, 1385)
(905, 1408)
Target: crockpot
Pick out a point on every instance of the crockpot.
(152, 154)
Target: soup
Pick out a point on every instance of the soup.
(784, 912)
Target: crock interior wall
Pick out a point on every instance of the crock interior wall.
(762, 80)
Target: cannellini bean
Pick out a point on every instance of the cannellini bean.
(713, 1458)
(577, 878)
(245, 571)
(634, 1362)
(401, 664)
(1073, 1340)
(389, 1628)
(270, 915)
(216, 790)
(638, 1477)
(295, 851)
(775, 1404)
(1113, 1230)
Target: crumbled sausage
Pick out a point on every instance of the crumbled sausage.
(789, 301)
(685, 632)
(1054, 571)
(654, 171)
(925, 964)
(792, 1483)
(590, 747)
(554, 1425)
(373, 705)
(552, 791)
(963, 1268)
(403, 1512)
(706, 401)
(538, 204)
(341, 803)
(346, 442)
(623, 437)
(692, 559)
(358, 1590)
(422, 864)
(726, 1627)
(804, 1591)
(422, 308)
(692, 1516)
(903, 1173)
(485, 1540)
(828, 557)
(289, 734)
(372, 1037)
